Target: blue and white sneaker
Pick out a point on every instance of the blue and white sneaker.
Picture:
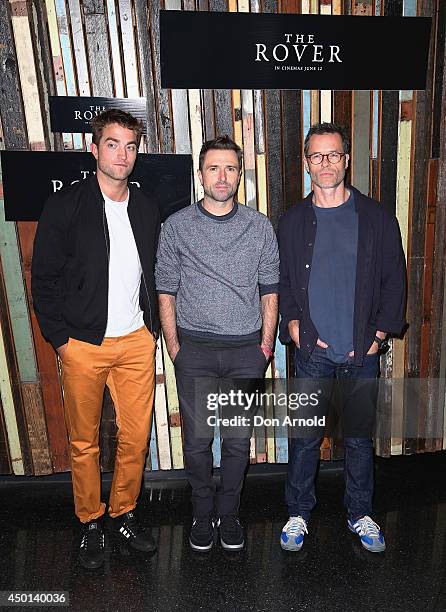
(369, 533)
(293, 533)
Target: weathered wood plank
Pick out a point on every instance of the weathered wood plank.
(360, 153)
(238, 138)
(128, 48)
(249, 148)
(147, 76)
(293, 146)
(98, 48)
(115, 45)
(438, 102)
(44, 72)
(162, 95)
(79, 52)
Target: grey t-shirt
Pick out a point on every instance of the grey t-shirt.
(217, 267)
(331, 288)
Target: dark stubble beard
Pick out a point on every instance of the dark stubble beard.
(217, 197)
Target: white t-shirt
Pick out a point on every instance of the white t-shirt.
(124, 275)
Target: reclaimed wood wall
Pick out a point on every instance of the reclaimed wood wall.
(111, 48)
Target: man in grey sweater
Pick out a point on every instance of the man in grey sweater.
(217, 278)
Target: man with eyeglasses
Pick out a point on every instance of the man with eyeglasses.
(342, 291)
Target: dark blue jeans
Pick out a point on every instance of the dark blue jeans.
(358, 390)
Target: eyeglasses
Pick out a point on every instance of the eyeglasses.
(317, 158)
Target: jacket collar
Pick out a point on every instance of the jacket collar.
(93, 185)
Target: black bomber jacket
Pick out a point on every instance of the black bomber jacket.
(71, 260)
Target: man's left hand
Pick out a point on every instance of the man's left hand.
(374, 348)
(266, 351)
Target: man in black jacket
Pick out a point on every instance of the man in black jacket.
(342, 290)
(93, 293)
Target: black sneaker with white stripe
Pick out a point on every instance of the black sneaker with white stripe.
(231, 532)
(201, 536)
(129, 530)
(92, 548)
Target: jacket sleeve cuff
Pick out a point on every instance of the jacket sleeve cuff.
(284, 334)
(57, 340)
(395, 327)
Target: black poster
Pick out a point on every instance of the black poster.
(73, 114)
(29, 177)
(207, 50)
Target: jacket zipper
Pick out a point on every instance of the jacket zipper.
(107, 248)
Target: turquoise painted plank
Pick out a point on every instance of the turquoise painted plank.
(410, 8)
(216, 446)
(153, 446)
(281, 433)
(18, 304)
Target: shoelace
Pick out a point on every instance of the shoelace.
(367, 526)
(132, 524)
(93, 539)
(295, 526)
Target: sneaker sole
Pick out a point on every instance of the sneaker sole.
(232, 546)
(126, 545)
(197, 548)
(95, 566)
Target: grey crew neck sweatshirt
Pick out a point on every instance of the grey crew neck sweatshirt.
(218, 267)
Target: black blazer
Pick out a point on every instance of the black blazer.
(71, 259)
(380, 293)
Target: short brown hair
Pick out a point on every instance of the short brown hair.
(328, 128)
(221, 143)
(116, 115)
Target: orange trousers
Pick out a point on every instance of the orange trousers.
(125, 364)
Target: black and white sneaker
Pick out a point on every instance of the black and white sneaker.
(129, 531)
(92, 548)
(231, 532)
(201, 536)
